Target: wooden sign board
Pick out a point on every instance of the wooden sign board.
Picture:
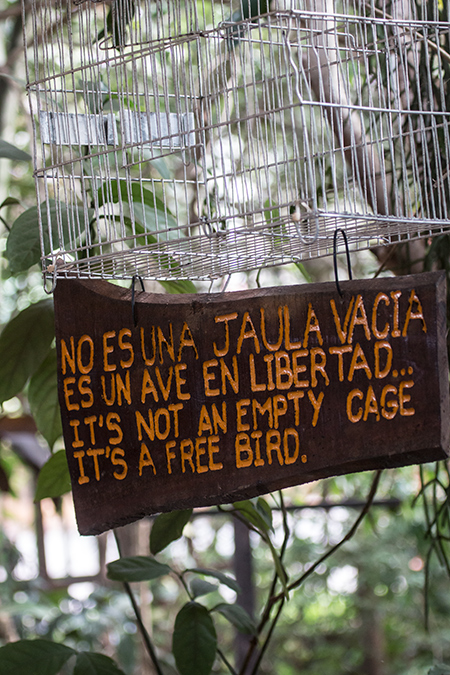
(214, 398)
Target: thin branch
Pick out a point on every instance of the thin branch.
(226, 662)
(280, 597)
(140, 623)
(268, 638)
(347, 537)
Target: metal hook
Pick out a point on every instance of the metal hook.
(347, 251)
(133, 304)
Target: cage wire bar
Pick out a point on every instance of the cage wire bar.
(192, 139)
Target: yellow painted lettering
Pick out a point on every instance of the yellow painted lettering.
(273, 443)
(68, 393)
(224, 318)
(117, 456)
(243, 450)
(126, 346)
(354, 417)
(66, 357)
(145, 459)
(270, 346)
(108, 349)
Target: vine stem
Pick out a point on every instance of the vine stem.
(144, 633)
(281, 597)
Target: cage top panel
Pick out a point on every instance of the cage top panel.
(195, 139)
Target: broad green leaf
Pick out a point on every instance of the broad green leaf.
(199, 587)
(159, 163)
(137, 568)
(10, 151)
(43, 399)
(439, 669)
(179, 286)
(88, 663)
(33, 657)
(23, 247)
(237, 616)
(24, 344)
(54, 478)
(9, 201)
(149, 209)
(265, 511)
(194, 640)
(220, 576)
(167, 528)
(252, 514)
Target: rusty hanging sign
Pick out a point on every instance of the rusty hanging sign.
(205, 399)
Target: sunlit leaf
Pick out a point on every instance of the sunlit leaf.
(88, 663)
(24, 344)
(9, 151)
(167, 528)
(220, 576)
(54, 478)
(194, 640)
(237, 616)
(137, 568)
(43, 399)
(33, 657)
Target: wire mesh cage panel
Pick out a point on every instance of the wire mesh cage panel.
(193, 139)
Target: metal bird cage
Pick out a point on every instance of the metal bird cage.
(182, 139)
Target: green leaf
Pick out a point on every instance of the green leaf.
(281, 572)
(33, 657)
(137, 568)
(199, 587)
(253, 515)
(43, 399)
(88, 663)
(24, 344)
(265, 511)
(439, 669)
(237, 616)
(194, 640)
(9, 201)
(23, 247)
(258, 517)
(179, 286)
(304, 272)
(54, 478)
(149, 209)
(10, 151)
(220, 576)
(167, 528)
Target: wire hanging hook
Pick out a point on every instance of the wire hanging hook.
(133, 303)
(347, 251)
